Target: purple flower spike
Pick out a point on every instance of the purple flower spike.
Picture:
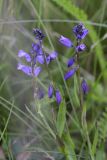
(66, 41)
(22, 53)
(70, 62)
(85, 87)
(26, 69)
(80, 31)
(38, 33)
(40, 59)
(80, 48)
(70, 73)
(50, 91)
(37, 71)
(58, 97)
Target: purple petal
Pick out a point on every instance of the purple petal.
(70, 62)
(50, 91)
(66, 41)
(70, 73)
(26, 69)
(53, 55)
(37, 48)
(58, 97)
(48, 59)
(40, 59)
(80, 48)
(37, 71)
(40, 93)
(22, 53)
(85, 87)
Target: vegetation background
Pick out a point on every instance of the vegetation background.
(25, 132)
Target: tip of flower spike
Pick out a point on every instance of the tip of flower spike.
(80, 31)
(65, 41)
(38, 33)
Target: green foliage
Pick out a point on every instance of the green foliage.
(61, 118)
(102, 127)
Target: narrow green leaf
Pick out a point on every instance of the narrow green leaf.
(61, 118)
(69, 147)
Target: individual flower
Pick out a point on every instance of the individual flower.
(28, 70)
(80, 48)
(50, 91)
(51, 57)
(38, 33)
(22, 53)
(40, 93)
(66, 41)
(70, 62)
(36, 47)
(70, 73)
(80, 31)
(84, 87)
(58, 97)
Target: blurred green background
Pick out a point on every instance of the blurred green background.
(21, 129)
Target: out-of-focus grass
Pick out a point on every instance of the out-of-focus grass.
(14, 86)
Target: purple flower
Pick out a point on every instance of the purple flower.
(70, 62)
(22, 53)
(80, 31)
(40, 59)
(58, 97)
(40, 93)
(70, 73)
(51, 57)
(37, 71)
(50, 91)
(66, 41)
(85, 87)
(26, 69)
(38, 33)
(80, 48)
(36, 47)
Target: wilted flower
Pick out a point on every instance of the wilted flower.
(80, 31)
(66, 41)
(70, 73)
(38, 33)
(80, 48)
(58, 97)
(40, 93)
(85, 87)
(70, 62)
(50, 91)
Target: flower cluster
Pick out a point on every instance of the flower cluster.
(80, 33)
(36, 58)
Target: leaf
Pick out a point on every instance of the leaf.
(61, 118)
(69, 147)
